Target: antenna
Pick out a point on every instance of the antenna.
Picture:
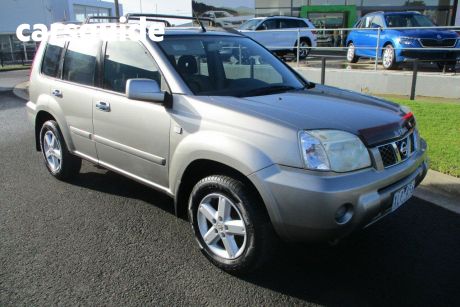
(199, 21)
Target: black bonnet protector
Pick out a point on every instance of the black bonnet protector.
(386, 133)
(396, 125)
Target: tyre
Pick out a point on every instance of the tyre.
(389, 57)
(230, 224)
(58, 160)
(351, 54)
(304, 49)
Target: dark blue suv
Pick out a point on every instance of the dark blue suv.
(399, 44)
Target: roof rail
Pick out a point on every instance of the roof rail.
(161, 17)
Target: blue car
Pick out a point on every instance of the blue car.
(399, 45)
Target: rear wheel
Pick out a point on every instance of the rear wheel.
(230, 224)
(58, 160)
(351, 54)
(304, 49)
(389, 57)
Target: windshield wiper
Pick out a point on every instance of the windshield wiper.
(268, 90)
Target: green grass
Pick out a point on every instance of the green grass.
(14, 67)
(439, 125)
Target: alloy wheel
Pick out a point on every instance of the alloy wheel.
(351, 53)
(53, 151)
(221, 226)
(388, 57)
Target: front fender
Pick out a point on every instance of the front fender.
(219, 147)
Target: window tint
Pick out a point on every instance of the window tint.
(52, 58)
(288, 23)
(270, 24)
(302, 24)
(80, 61)
(128, 60)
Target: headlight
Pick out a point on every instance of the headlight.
(333, 150)
(407, 40)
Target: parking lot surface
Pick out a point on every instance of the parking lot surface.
(107, 240)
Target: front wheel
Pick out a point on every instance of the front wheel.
(389, 57)
(230, 224)
(58, 160)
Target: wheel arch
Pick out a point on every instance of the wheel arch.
(44, 113)
(199, 169)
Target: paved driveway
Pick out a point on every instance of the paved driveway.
(107, 240)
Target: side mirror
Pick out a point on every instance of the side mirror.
(144, 89)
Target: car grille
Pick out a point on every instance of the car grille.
(440, 43)
(396, 152)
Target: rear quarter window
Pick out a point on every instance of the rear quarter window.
(52, 57)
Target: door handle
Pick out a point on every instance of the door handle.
(57, 93)
(103, 106)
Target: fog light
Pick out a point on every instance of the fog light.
(344, 214)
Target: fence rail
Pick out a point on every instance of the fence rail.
(377, 47)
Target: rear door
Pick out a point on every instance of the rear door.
(288, 35)
(75, 90)
(131, 135)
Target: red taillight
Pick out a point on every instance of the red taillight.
(407, 116)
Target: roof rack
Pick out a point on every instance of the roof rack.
(161, 17)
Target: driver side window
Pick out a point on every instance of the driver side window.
(270, 24)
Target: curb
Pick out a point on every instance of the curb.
(440, 189)
(22, 90)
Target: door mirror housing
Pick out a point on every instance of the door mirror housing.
(144, 89)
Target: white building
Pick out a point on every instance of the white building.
(16, 12)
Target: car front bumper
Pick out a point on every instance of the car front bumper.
(302, 204)
(430, 55)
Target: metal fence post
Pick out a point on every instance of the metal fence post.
(323, 70)
(414, 79)
(377, 48)
(298, 47)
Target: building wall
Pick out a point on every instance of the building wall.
(16, 12)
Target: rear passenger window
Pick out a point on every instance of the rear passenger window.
(80, 61)
(128, 60)
(288, 23)
(52, 57)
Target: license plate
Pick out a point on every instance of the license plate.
(403, 195)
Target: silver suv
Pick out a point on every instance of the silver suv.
(246, 147)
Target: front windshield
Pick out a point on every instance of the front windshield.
(228, 66)
(408, 20)
(250, 24)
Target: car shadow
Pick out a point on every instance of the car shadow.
(411, 257)
(108, 182)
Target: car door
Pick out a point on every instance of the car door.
(364, 38)
(131, 136)
(288, 33)
(373, 34)
(75, 91)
